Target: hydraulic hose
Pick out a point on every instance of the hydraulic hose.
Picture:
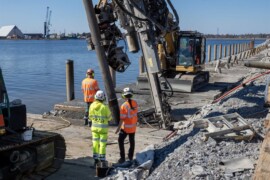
(150, 19)
(129, 13)
(174, 11)
(239, 86)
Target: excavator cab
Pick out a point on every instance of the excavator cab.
(185, 72)
(182, 59)
(191, 52)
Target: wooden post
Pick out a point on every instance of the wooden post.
(241, 48)
(215, 52)
(70, 80)
(229, 50)
(229, 56)
(220, 51)
(251, 44)
(225, 51)
(209, 53)
(233, 49)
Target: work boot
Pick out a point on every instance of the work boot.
(121, 160)
(96, 162)
(85, 121)
(89, 123)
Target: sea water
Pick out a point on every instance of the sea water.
(35, 70)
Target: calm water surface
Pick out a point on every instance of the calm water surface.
(34, 71)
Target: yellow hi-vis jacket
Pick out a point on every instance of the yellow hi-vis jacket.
(89, 88)
(129, 116)
(100, 115)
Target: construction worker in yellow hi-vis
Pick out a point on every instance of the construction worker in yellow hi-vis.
(99, 117)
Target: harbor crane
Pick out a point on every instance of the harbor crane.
(47, 23)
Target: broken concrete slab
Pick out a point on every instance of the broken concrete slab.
(182, 125)
(237, 164)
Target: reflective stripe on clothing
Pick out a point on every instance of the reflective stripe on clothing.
(90, 97)
(100, 125)
(130, 113)
(103, 140)
(95, 139)
(89, 88)
(93, 117)
(102, 157)
(129, 125)
(99, 146)
(129, 116)
(96, 156)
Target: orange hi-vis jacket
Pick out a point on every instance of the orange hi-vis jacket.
(89, 88)
(129, 116)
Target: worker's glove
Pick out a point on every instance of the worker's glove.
(90, 123)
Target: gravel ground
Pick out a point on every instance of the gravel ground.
(188, 156)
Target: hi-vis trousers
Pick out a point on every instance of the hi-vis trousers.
(99, 145)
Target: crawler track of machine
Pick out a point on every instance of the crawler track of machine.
(35, 159)
(181, 83)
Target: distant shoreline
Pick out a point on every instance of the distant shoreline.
(238, 38)
(84, 39)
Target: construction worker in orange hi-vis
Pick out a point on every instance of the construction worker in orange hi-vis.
(127, 124)
(89, 89)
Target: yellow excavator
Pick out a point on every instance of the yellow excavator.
(182, 59)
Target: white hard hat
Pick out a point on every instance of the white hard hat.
(100, 95)
(127, 91)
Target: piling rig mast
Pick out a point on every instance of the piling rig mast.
(145, 22)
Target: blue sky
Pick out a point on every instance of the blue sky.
(206, 16)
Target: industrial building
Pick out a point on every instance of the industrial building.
(10, 32)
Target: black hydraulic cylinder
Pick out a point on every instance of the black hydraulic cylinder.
(103, 64)
(260, 65)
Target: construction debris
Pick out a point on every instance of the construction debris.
(230, 126)
(239, 115)
(144, 160)
(236, 164)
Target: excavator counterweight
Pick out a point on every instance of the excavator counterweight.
(23, 157)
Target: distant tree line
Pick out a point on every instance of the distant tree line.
(239, 36)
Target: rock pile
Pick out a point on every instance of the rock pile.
(188, 156)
